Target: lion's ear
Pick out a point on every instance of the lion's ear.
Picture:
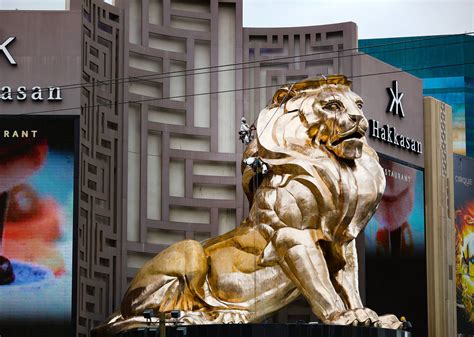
(282, 95)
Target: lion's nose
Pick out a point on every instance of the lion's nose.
(363, 124)
(356, 117)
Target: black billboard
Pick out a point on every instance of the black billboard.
(38, 174)
(395, 257)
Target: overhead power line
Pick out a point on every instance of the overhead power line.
(133, 79)
(291, 59)
(232, 90)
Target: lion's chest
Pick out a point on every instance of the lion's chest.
(337, 201)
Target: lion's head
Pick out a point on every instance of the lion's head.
(309, 123)
(324, 109)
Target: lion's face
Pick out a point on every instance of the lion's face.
(334, 118)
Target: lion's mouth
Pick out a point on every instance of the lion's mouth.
(353, 135)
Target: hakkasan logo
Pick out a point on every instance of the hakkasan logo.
(395, 105)
(389, 134)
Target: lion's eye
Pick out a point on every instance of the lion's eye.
(333, 106)
(360, 104)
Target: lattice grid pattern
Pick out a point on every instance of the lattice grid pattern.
(301, 52)
(183, 152)
(99, 233)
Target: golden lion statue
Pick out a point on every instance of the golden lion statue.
(322, 186)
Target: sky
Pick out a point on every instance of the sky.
(375, 18)
(32, 4)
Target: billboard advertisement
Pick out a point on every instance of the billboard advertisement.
(395, 247)
(37, 188)
(464, 224)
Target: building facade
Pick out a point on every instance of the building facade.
(444, 63)
(163, 85)
(191, 71)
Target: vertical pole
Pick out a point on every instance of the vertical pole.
(162, 325)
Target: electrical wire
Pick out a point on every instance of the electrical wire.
(230, 90)
(194, 71)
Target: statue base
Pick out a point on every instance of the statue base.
(261, 330)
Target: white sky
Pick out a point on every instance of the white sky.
(375, 18)
(32, 4)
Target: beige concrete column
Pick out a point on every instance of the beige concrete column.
(439, 218)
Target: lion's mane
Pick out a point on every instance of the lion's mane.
(351, 188)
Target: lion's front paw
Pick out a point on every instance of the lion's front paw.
(357, 317)
(389, 322)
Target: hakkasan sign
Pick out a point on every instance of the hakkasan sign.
(389, 134)
(23, 93)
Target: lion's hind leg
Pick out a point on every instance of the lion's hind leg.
(172, 280)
